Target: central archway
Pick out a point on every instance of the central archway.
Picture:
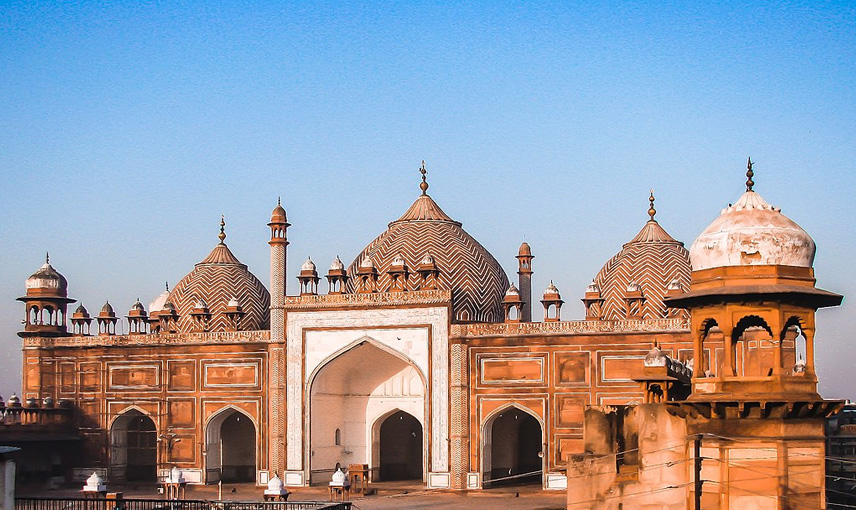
(400, 442)
(231, 445)
(350, 396)
(513, 448)
(133, 447)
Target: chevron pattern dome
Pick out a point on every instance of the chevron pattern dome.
(219, 278)
(476, 279)
(651, 260)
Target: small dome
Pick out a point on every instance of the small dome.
(634, 287)
(398, 261)
(81, 310)
(107, 310)
(551, 290)
(524, 251)
(47, 402)
(137, 306)
(47, 280)
(278, 213)
(593, 287)
(337, 264)
(14, 400)
(233, 303)
(175, 475)
(338, 477)
(655, 358)
(275, 484)
(427, 260)
(308, 265)
(201, 304)
(675, 285)
(168, 307)
(367, 263)
(512, 291)
(752, 232)
(94, 483)
(157, 303)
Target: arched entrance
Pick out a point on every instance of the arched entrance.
(231, 447)
(513, 448)
(350, 397)
(133, 448)
(400, 456)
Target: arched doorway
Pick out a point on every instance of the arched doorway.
(133, 448)
(400, 448)
(513, 448)
(231, 447)
(350, 396)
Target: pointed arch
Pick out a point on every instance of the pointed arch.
(365, 339)
(133, 445)
(363, 382)
(231, 447)
(517, 450)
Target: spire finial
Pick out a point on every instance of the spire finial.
(424, 185)
(47, 257)
(749, 175)
(166, 284)
(651, 210)
(222, 234)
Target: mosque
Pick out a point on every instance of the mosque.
(422, 360)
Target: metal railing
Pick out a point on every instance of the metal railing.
(23, 503)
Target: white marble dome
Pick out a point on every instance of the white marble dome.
(752, 232)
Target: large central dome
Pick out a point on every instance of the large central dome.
(476, 279)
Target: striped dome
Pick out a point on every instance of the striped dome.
(476, 279)
(650, 262)
(219, 278)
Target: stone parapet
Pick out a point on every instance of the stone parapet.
(219, 337)
(410, 298)
(569, 327)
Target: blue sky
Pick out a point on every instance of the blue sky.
(127, 128)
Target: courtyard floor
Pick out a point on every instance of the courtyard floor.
(390, 495)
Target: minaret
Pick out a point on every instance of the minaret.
(276, 367)
(278, 242)
(524, 273)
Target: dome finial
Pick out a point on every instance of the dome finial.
(749, 174)
(222, 234)
(424, 185)
(651, 210)
(166, 284)
(47, 257)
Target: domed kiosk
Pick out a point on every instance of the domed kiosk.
(753, 290)
(46, 302)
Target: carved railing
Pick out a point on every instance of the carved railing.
(34, 418)
(415, 297)
(569, 327)
(217, 337)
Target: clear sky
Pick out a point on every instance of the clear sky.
(127, 128)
